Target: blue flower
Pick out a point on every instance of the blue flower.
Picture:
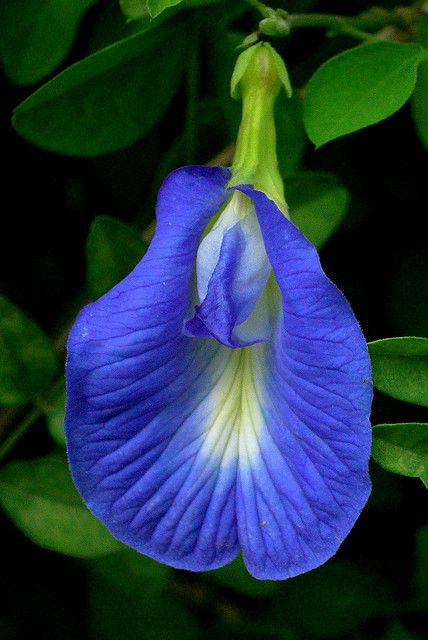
(219, 396)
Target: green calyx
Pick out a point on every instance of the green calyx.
(258, 78)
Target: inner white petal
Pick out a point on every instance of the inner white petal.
(252, 271)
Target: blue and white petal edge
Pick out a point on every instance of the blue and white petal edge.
(190, 451)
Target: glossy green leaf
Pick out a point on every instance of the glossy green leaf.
(27, 361)
(402, 448)
(36, 36)
(420, 95)
(400, 368)
(360, 87)
(40, 498)
(236, 577)
(113, 249)
(110, 99)
(318, 203)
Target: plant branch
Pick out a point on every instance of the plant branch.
(362, 26)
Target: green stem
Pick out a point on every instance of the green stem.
(37, 412)
(361, 26)
(368, 21)
(20, 430)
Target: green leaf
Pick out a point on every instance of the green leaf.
(27, 361)
(139, 9)
(236, 577)
(400, 368)
(40, 498)
(420, 95)
(420, 104)
(318, 203)
(134, 9)
(110, 99)
(37, 35)
(402, 448)
(155, 7)
(360, 87)
(113, 249)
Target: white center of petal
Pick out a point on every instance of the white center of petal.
(236, 417)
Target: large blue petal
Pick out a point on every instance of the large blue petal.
(188, 450)
(141, 396)
(300, 492)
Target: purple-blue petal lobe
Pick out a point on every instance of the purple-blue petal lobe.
(190, 446)
(302, 494)
(137, 412)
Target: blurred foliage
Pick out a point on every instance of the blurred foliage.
(130, 101)
(28, 363)
(37, 36)
(40, 497)
(112, 251)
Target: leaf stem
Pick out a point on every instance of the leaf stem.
(20, 430)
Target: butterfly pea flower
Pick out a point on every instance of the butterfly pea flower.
(219, 396)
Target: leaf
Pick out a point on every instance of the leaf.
(236, 577)
(402, 448)
(360, 87)
(318, 203)
(27, 361)
(110, 99)
(139, 9)
(134, 9)
(37, 35)
(155, 7)
(400, 368)
(40, 498)
(113, 249)
(420, 95)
